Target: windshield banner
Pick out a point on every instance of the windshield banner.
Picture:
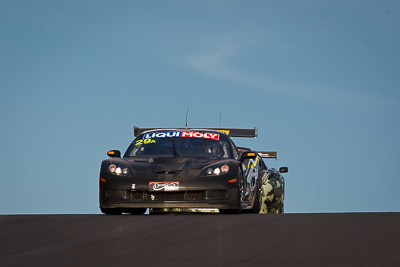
(206, 135)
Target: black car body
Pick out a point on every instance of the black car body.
(182, 168)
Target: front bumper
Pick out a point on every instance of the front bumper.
(213, 192)
(218, 199)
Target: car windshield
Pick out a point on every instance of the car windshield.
(180, 144)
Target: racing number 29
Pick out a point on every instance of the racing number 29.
(144, 141)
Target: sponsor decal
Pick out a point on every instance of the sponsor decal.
(161, 135)
(163, 186)
(213, 136)
(144, 141)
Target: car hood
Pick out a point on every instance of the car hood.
(169, 164)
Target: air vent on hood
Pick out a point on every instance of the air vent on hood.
(164, 174)
(167, 172)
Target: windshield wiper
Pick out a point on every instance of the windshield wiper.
(174, 148)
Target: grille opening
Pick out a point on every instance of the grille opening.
(173, 196)
(219, 194)
(167, 196)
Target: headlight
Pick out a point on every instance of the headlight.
(215, 170)
(118, 170)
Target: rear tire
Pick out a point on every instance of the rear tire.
(258, 198)
(281, 207)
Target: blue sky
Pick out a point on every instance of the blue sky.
(320, 79)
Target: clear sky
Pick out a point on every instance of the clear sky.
(320, 80)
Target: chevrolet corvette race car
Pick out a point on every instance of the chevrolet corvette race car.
(273, 183)
(187, 168)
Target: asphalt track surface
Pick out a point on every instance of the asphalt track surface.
(342, 239)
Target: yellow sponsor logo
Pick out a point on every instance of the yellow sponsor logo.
(225, 131)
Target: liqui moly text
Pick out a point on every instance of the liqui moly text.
(213, 136)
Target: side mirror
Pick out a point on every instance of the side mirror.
(283, 169)
(114, 154)
(248, 155)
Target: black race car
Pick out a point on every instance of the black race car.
(183, 168)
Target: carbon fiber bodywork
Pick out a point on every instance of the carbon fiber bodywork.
(183, 169)
(175, 168)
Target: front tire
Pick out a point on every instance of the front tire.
(240, 198)
(136, 211)
(111, 211)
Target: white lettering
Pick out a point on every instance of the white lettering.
(173, 134)
(187, 134)
(149, 136)
(160, 135)
(198, 135)
(214, 136)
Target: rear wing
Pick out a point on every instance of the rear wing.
(268, 154)
(232, 132)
